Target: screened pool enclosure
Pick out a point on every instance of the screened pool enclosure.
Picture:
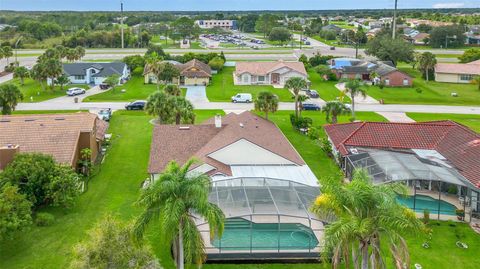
(265, 218)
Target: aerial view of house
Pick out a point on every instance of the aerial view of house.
(457, 73)
(95, 73)
(268, 73)
(193, 72)
(62, 136)
(389, 75)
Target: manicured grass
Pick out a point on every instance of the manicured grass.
(221, 88)
(33, 92)
(472, 121)
(433, 93)
(326, 89)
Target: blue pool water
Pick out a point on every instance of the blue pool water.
(426, 202)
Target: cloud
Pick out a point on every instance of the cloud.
(449, 5)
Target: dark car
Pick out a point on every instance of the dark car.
(332, 48)
(136, 105)
(104, 86)
(310, 106)
(312, 94)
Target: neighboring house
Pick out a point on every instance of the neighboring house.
(268, 73)
(62, 136)
(192, 73)
(95, 73)
(332, 27)
(418, 39)
(209, 24)
(351, 68)
(457, 73)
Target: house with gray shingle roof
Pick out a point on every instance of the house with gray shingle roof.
(95, 73)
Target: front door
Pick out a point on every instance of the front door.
(275, 78)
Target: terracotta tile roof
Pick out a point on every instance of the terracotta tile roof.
(264, 68)
(53, 134)
(457, 143)
(195, 68)
(468, 69)
(175, 143)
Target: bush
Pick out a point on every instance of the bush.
(314, 133)
(44, 219)
(319, 59)
(418, 90)
(300, 122)
(216, 63)
(326, 146)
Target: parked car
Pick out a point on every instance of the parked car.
(332, 48)
(312, 94)
(310, 106)
(307, 43)
(104, 86)
(136, 105)
(242, 98)
(75, 91)
(105, 114)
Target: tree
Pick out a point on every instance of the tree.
(426, 63)
(15, 211)
(112, 81)
(280, 34)
(157, 105)
(21, 72)
(10, 96)
(304, 59)
(172, 90)
(265, 24)
(155, 49)
(53, 69)
(360, 214)
(39, 73)
(216, 63)
(166, 72)
(171, 200)
(182, 110)
(185, 27)
(476, 81)
(247, 23)
(266, 102)
(333, 109)
(354, 88)
(470, 55)
(451, 36)
(296, 84)
(134, 61)
(7, 52)
(111, 244)
(71, 55)
(62, 81)
(79, 52)
(387, 49)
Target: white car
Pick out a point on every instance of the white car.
(75, 91)
(242, 98)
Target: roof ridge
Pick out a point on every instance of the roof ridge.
(356, 130)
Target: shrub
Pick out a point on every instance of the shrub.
(418, 90)
(314, 133)
(326, 146)
(216, 63)
(300, 122)
(44, 219)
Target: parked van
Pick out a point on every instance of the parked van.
(242, 98)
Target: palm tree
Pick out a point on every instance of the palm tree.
(476, 81)
(359, 214)
(79, 52)
(7, 52)
(427, 62)
(354, 88)
(158, 106)
(21, 72)
(71, 55)
(10, 96)
(296, 84)
(54, 69)
(39, 74)
(182, 110)
(334, 109)
(173, 90)
(62, 81)
(175, 199)
(266, 102)
(301, 99)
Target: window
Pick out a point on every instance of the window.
(466, 77)
(261, 78)
(79, 77)
(387, 81)
(405, 82)
(245, 78)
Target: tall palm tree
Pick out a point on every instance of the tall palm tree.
(354, 88)
(79, 52)
(296, 84)
(334, 109)
(157, 105)
(360, 214)
(21, 72)
(182, 110)
(426, 63)
(301, 99)
(266, 102)
(175, 199)
(10, 96)
(54, 69)
(39, 74)
(476, 81)
(7, 52)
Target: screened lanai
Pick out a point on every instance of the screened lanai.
(265, 218)
(434, 184)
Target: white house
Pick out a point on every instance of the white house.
(95, 73)
(209, 24)
(268, 73)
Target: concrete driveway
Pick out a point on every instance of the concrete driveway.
(71, 99)
(196, 94)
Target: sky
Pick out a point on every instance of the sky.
(202, 5)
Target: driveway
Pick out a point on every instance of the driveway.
(70, 99)
(196, 94)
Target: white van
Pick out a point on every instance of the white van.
(242, 98)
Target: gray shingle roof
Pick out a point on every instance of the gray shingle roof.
(106, 69)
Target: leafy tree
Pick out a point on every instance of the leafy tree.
(7, 52)
(304, 59)
(157, 105)
(447, 36)
(165, 72)
(476, 81)
(280, 34)
(172, 90)
(426, 63)
(71, 55)
(354, 88)
(79, 52)
(42, 180)
(155, 49)
(360, 215)
(21, 72)
(134, 61)
(216, 63)
(247, 23)
(387, 49)
(185, 27)
(62, 81)
(171, 199)
(182, 110)
(53, 69)
(333, 109)
(266, 102)
(265, 24)
(424, 28)
(112, 81)
(15, 211)
(325, 72)
(470, 55)
(10, 96)
(110, 244)
(296, 84)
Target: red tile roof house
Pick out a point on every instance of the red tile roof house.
(457, 73)
(431, 156)
(267, 73)
(62, 136)
(257, 177)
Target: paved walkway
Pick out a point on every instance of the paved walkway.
(6, 78)
(358, 98)
(197, 94)
(396, 116)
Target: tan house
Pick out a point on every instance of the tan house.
(192, 73)
(267, 73)
(457, 73)
(62, 136)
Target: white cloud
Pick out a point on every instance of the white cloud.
(449, 5)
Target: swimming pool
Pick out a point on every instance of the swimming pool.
(241, 234)
(426, 202)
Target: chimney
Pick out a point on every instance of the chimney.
(218, 121)
(7, 153)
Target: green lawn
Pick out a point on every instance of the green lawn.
(326, 89)
(221, 88)
(33, 92)
(472, 121)
(433, 93)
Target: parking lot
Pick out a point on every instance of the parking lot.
(239, 40)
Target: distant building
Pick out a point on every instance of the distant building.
(94, 73)
(332, 27)
(209, 24)
(457, 73)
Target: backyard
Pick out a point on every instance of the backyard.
(33, 92)
(221, 88)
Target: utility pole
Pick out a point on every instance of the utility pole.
(394, 20)
(121, 23)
